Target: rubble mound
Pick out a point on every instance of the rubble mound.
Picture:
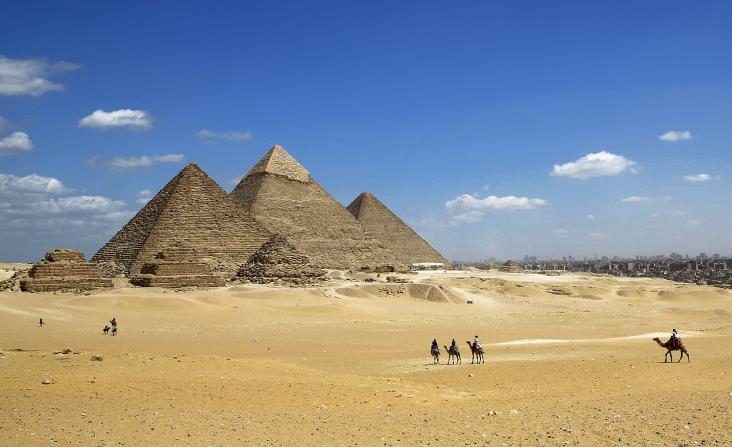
(64, 269)
(277, 261)
(174, 267)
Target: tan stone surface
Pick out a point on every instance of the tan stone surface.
(278, 261)
(396, 235)
(61, 270)
(313, 221)
(176, 266)
(191, 209)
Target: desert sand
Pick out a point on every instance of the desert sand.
(569, 361)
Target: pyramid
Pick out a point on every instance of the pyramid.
(396, 235)
(64, 269)
(192, 210)
(278, 261)
(286, 200)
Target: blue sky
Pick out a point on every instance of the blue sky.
(454, 114)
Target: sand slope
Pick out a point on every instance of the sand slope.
(569, 362)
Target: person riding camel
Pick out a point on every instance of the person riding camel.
(435, 346)
(674, 340)
(453, 345)
(476, 343)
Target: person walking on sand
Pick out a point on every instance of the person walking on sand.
(114, 322)
(40, 322)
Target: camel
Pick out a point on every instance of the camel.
(477, 353)
(453, 353)
(435, 355)
(670, 348)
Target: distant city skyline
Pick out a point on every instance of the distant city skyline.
(493, 129)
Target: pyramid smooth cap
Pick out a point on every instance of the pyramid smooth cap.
(279, 162)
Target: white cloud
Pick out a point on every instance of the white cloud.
(644, 199)
(70, 205)
(698, 178)
(233, 135)
(468, 208)
(14, 143)
(144, 196)
(28, 76)
(122, 163)
(11, 185)
(598, 236)
(598, 164)
(472, 202)
(676, 135)
(132, 119)
(590, 217)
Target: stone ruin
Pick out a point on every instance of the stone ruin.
(64, 269)
(279, 262)
(174, 267)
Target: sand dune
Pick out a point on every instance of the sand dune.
(569, 361)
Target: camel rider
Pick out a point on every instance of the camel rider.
(453, 345)
(435, 346)
(476, 343)
(674, 338)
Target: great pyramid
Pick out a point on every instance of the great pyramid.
(286, 200)
(192, 210)
(396, 235)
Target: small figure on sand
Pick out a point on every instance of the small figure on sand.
(40, 322)
(476, 343)
(435, 351)
(105, 329)
(113, 321)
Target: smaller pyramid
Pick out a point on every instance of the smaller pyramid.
(397, 236)
(278, 261)
(64, 269)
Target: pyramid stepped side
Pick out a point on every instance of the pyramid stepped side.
(192, 210)
(124, 247)
(314, 223)
(396, 235)
(64, 270)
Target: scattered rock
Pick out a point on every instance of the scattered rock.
(96, 358)
(513, 412)
(492, 413)
(47, 381)
(470, 375)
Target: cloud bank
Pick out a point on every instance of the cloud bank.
(676, 135)
(599, 164)
(644, 199)
(29, 76)
(129, 118)
(697, 178)
(233, 135)
(124, 163)
(14, 143)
